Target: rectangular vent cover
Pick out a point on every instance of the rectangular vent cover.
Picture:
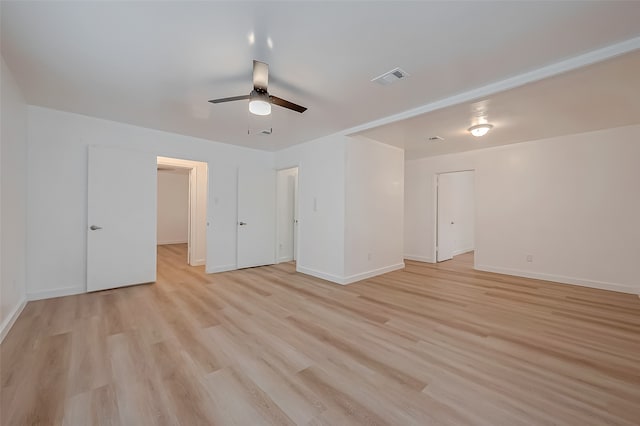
(391, 77)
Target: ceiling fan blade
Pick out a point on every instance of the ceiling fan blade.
(260, 76)
(233, 98)
(286, 104)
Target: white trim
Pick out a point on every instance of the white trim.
(566, 65)
(6, 325)
(221, 268)
(163, 243)
(462, 251)
(350, 279)
(278, 258)
(602, 285)
(419, 258)
(375, 272)
(198, 172)
(329, 277)
(58, 292)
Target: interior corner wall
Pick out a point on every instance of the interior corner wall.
(57, 192)
(321, 204)
(570, 202)
(350, 207)
(374, 209)
(13, 200)
(173, 207)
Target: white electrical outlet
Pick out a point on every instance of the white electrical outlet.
(529, 258)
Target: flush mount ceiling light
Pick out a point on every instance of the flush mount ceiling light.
(259, 103)
(480, 129)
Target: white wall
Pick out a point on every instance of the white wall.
(463, 211)
(321, 214)
(13, 200)
(285, 205)
(570, 202)
(374, 209)
(173, 207)
(57, 192)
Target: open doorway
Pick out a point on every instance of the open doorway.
(455, 215)
(287, 215)
(182, 211)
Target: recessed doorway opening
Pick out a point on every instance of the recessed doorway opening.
(287, 215)
(182, 210)
(455, 214)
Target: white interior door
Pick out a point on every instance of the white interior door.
(446, 221)
(256, 217)
(121, 240)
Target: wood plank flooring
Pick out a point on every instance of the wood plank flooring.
(433, 344)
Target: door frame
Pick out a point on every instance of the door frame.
(296, 209)
(296, 221)
(435, 187)
(192, 231)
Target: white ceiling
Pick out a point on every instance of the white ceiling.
(155, 64)
(599, 96)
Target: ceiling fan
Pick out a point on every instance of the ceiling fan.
(259, 99)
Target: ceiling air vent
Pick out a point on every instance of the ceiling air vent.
(391, 77)
(435, 138)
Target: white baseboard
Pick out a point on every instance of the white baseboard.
(329, 277)
(374, 272)
(352, 278)
(164, 243)
(58, 292)
(462, 251)
(285, 259)
(11, 319)
(199, 262)
(419, 258)
(221, 268)
(602, 285)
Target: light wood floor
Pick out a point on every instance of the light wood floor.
(434, 344)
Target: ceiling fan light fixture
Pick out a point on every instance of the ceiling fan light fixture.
(260, 100)
(480, 129)
(259, 107)
(259, 103)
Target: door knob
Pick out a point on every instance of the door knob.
(95, 228)
(242, 223)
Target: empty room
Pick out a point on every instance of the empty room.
(319, 213)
